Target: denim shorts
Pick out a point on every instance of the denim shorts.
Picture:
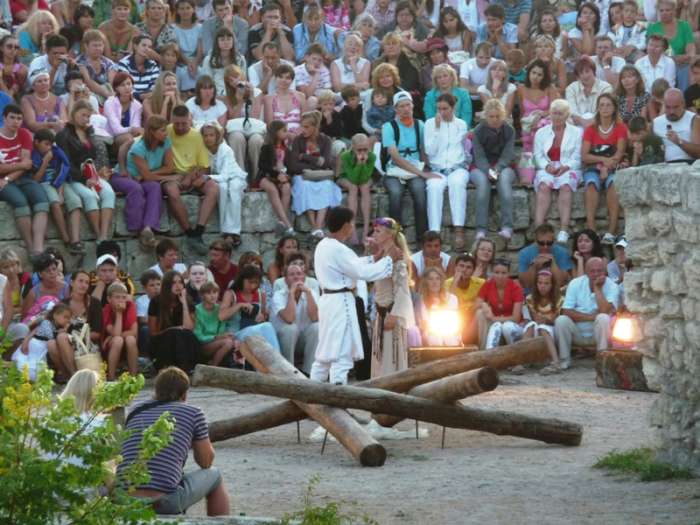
(194, 487)
(592, 176)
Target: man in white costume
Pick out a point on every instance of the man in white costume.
(338, 269)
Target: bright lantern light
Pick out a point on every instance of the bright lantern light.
(626, 331)
(443, 322)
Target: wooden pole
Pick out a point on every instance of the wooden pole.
(382, 401)
(338, 422)
(529, 351)
(449, 389)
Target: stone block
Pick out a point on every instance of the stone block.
(688, 307)
(644, 253)
(652, 373)
(257, 215)
(685, 225)
(659, 222)
(668, 181)
(691, 272)
(692, 191)
(633, 186)
(671, 308)
(659, 281)
(620, 369)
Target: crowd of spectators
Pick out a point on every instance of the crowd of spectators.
(305, 99)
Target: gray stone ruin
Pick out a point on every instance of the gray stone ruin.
(662, 224)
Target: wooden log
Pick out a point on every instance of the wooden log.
(529, 351)
(620, 369)
(419, 355)
(449, 390)
(383, 401)
(347, 431)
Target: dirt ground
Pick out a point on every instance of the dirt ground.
(477, 478)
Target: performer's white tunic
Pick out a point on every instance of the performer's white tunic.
(337, 267)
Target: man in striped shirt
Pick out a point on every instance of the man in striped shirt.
(170, 489)
(142, 69)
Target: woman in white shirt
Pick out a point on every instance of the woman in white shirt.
(351, 68)
(230, 177)
(204, 106)
(445, 140)
(557, 154)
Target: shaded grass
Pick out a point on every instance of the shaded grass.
(641, 462)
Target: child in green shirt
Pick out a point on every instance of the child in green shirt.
(354, 171)
(217, 343)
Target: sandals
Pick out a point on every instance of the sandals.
(147, 239)
(233, 238)
(76, 248)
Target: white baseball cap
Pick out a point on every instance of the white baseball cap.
(401, 96)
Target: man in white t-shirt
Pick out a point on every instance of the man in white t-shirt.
(679, 129)
(430, 255)
(656, 64)
(261, 74)
(608, 66)
(294, 314)
(473, 72)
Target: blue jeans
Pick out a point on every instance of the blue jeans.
(416, 186)
(504, 187)
(25, 195)
(193, 487)
(592, 176)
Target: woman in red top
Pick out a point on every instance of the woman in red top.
(499, 307)
(604, 144)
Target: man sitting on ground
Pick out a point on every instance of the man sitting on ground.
(107, 271)
(431, 255)
(168, 254)
(543, 254)
(170, 490)
(294, 314)
(191, 163)
(466, 288)
(220, 265)
(590, 301)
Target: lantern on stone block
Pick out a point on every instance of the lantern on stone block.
(626, 332)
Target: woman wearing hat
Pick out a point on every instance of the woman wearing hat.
(42, 109)
(231, 178)
(393, 299)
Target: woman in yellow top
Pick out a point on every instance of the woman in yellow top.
(466, 288)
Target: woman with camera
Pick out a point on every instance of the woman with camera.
(243, 101)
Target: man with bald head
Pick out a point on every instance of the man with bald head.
(590, 301)
(679, 129)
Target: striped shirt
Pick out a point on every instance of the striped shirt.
(167, 466)
(143, 82)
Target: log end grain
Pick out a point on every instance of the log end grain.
(373, 455)
(488, 378)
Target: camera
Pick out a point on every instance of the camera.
(240, 85)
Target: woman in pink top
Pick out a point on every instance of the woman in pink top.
(285, 105)
(123, 114)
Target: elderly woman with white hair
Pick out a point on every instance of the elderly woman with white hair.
(366, 26)
(557, 156)
(231, 178)
(351, 68)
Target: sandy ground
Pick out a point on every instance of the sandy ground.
(478, 477)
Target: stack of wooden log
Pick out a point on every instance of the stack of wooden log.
(428, 392)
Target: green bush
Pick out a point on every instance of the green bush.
(58, 467)
(641, 461)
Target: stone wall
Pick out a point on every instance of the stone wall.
(259, 228)
(662, 205)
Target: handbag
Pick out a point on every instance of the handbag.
(317, 175)
(400, 173)
(247, 126)
(87, 353)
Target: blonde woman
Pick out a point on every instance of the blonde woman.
(81, 388)
(231, 179)
(433, 296)
(351, 69)
(392, 297)
(384, 76)
(164, 98)
(498, 87)
(33, 33)
(445, 81)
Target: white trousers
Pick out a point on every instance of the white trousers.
(509, 330)
(567, 332)
(337, 369)
(230, 197)
(456, 184)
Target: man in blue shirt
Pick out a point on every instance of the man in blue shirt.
(404, 168)
(517, 13)
(589, 303)
(543, 254)
(501, 34)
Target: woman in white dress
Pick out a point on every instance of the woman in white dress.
(307, 161)
(392, 297)
(557, 156)
(231, 179)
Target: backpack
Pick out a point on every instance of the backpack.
(385, 156)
